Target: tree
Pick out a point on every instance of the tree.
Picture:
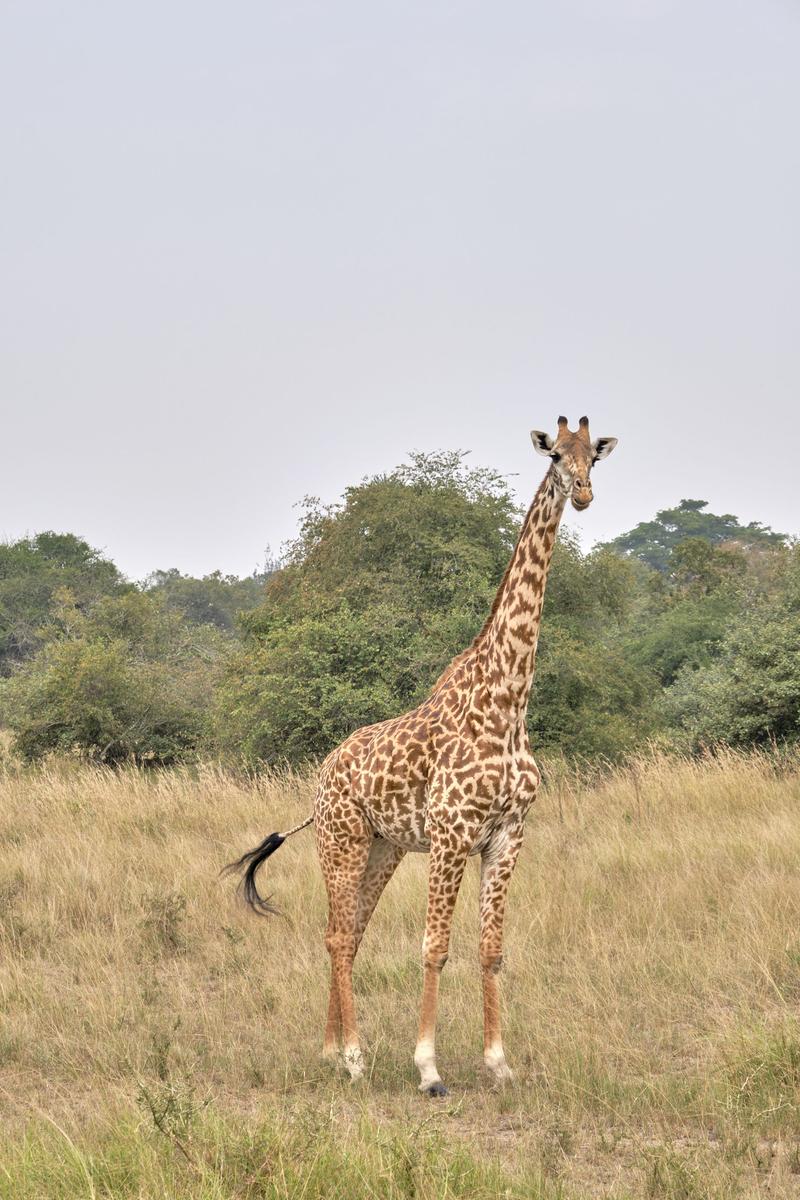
(653, 541)
(32, 570)
(432, 531)
(588, 700)
(684, 619)
(216, 599)
(127, 681)
(750, 693)
(295, 693)
(382, 590)
(377, 594)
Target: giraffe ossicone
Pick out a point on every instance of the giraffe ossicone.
(452, 778)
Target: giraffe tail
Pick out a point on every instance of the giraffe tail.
(250, 862)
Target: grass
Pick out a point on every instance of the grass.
(157, 1040)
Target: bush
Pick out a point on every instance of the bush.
(751, 695)
(129, 681)
(295, 694)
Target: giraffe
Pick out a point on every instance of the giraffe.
(454, 777)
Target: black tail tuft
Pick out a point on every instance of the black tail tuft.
(252, 860)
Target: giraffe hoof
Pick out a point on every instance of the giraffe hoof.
(436, 1089)
(354, 1063)
(333, 1059)
(501, 1076)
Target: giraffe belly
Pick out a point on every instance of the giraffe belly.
(402, 826)
(407, 829)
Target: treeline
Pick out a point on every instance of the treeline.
(684, 631)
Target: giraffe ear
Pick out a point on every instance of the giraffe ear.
(602, 447)
(542, 442)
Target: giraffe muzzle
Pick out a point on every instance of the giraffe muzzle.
(581, 496)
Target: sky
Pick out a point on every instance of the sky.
(260, 250)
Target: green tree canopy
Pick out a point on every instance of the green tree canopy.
(31, 571)
(127, 681)
(377, 595)
(653, 541)
(686, 629)
(750, 693)
(380, 591)
(215, 599)
(433, 534)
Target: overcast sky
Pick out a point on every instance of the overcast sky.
(258, 250)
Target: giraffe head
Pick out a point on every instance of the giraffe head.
(573, 455)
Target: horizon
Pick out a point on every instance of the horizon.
(275, 557)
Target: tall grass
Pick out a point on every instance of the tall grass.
(157, 1039)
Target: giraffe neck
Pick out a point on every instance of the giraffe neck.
(507, 643)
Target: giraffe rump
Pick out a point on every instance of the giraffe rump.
(250, 863)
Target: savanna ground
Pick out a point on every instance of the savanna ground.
(158, 1040)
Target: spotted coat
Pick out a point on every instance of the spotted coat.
(454, 777)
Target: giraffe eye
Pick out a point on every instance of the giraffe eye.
(556, 457)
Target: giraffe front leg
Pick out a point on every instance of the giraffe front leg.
(497, 866)
(447, 863)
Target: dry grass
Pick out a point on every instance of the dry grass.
(158, 1040)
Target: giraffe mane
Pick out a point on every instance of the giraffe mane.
(476, 641)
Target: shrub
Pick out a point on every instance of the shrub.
(129, 681)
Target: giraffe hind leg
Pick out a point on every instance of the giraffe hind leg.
(333, 1023)
(384, 859)
(343, 844)
(381, 864)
